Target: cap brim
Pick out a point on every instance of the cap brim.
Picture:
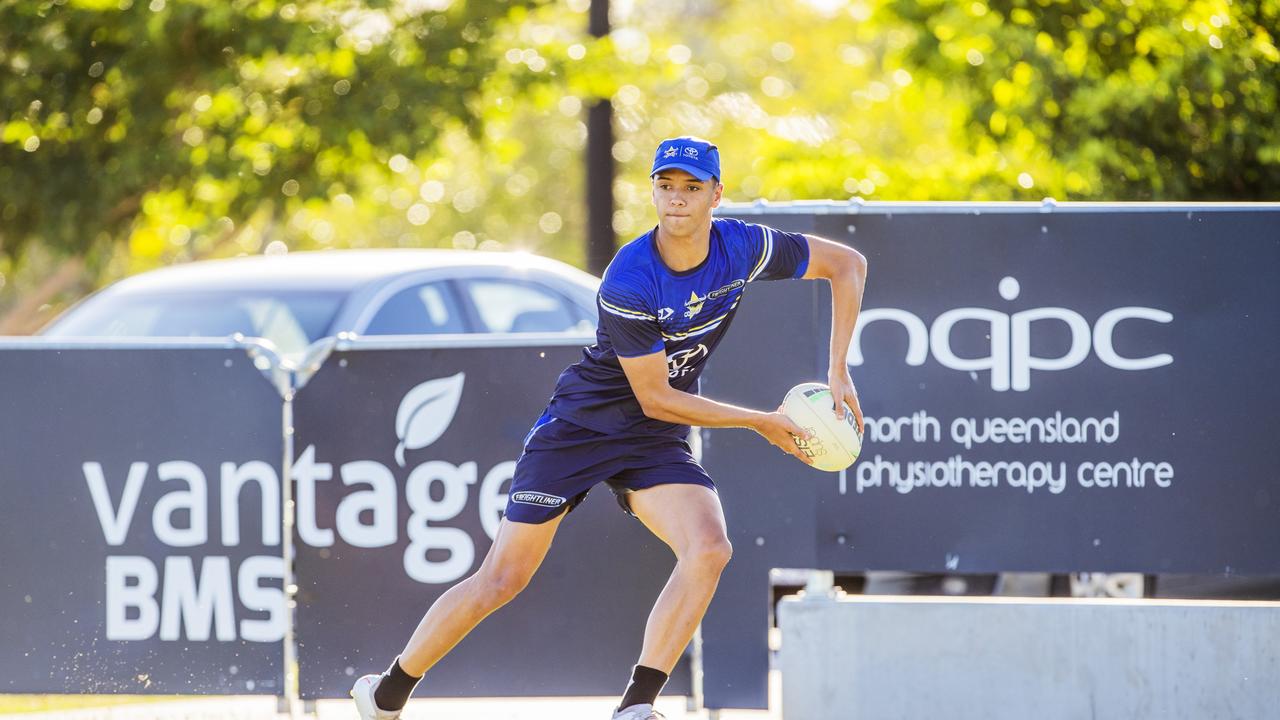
(697, 172)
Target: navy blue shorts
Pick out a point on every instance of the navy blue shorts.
(562, 462)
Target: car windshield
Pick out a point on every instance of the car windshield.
(291, 321)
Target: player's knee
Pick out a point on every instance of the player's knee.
(710, 554)
(497, 588)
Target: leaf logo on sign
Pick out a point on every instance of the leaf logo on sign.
(425, 413)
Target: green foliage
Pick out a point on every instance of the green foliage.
(172, 123)
(1130, 99)
(135, 133)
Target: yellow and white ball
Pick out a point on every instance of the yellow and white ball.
(835, 443)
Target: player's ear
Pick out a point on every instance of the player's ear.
(719, 191)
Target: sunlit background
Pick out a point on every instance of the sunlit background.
(140, 133)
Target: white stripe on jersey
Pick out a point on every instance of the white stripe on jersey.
(701, 329)
(624, 312)
(696, 333)
(764, 255)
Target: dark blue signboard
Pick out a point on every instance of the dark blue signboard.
(140, 523)
(405, 459)
(1047, 389)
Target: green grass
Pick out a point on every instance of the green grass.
(49, 703)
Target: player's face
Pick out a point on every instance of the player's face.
(684, 203)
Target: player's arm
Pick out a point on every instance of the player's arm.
(846, 270)
(649, 381)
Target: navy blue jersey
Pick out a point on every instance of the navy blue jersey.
(645, 307)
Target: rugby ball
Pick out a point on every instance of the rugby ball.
(835, 443)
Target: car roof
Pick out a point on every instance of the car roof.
(333, 270)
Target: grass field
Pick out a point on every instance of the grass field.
(11, 704)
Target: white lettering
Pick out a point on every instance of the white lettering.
(233, 479)
(921, 426)
(306, 473)
(123, 596)
(195, 500)
(1105, 328)
(1023, 362)
(115, 526)
(422, 537)
(1010, 360)
(1049, 430)
(1132, 474)
(492, 500)
(917, 334)
(196, 606)
(997, 362)
(379, 500)
(257, 598)
(955, 472)
(204, 608)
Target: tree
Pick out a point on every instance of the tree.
(172, 125)
(1132, 99)
(189, 128)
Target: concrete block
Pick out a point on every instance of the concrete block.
(880, 658)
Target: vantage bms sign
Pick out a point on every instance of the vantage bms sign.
(140, 532)
(143, 554)
(180, 597)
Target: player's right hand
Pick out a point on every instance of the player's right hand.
(782, 432)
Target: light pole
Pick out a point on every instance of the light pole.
(600, 235)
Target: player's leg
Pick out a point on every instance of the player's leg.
(689, 519)
(517, 552)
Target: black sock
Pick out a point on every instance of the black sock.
(645, 685)
(395, 687)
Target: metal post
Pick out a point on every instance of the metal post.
(694, 704)
(290, 680)
(695, 701)
(600, 170)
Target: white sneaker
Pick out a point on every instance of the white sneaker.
(362, 693)
(639, 712)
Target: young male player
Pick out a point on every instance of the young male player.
(621, 416)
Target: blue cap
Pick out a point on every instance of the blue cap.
(694, 155)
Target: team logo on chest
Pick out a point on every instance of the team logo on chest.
(694, 306)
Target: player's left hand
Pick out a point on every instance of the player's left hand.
(842, 389)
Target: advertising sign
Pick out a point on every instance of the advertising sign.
(140, 525)
(1050, 389)
(405, 457)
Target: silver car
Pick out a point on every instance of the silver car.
(294, 299)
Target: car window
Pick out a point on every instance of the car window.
(274, 319)
(419, 310)
(511, 306)
(290, 321)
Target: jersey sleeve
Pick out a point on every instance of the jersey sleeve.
(776, 254)
(632, 328)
